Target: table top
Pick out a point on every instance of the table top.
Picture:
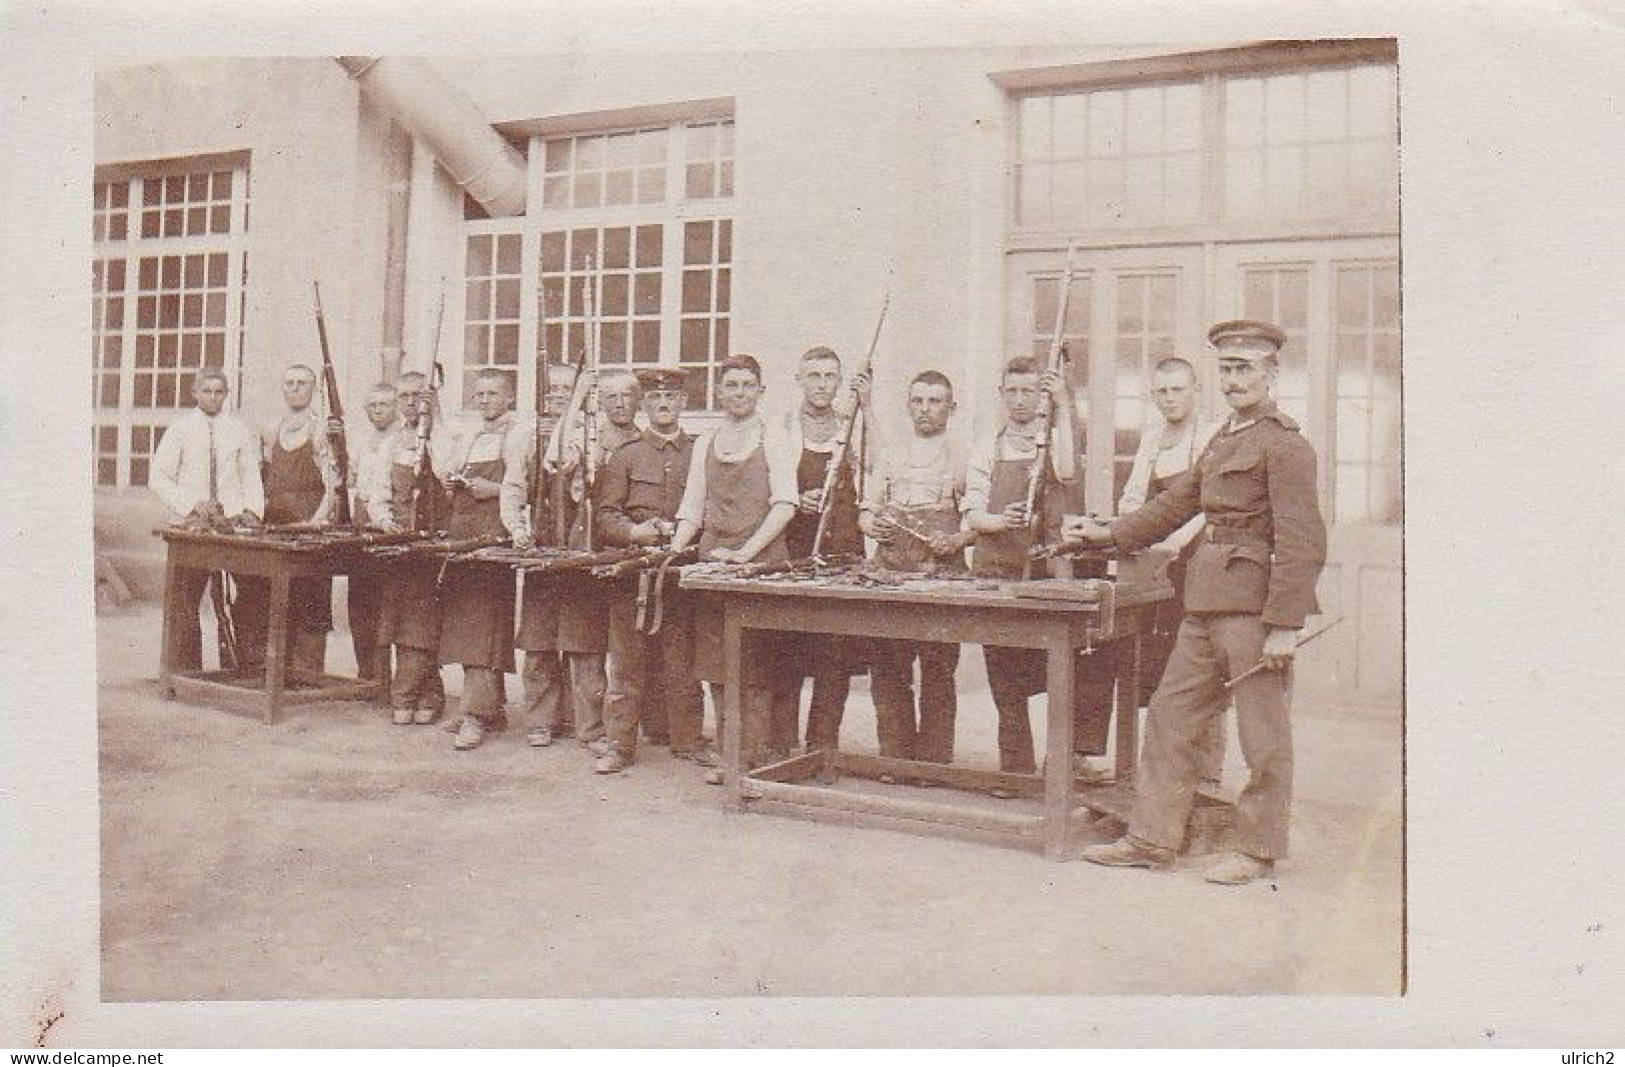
(866, 584)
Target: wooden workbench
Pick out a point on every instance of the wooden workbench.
(956, 611)
(280, 561)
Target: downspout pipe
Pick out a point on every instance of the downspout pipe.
(479, 159)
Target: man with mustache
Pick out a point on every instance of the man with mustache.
(1249, 587)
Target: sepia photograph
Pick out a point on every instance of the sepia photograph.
(1042, 523)
(539, 499)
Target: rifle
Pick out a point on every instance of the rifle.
(589, 415)
(809, 565)
(648, 558)
(220, 599)
(423, 518)
(335, 409)
(538, 492)
(843, 442)
(1046, 413)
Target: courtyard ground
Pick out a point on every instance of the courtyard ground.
(337, 856)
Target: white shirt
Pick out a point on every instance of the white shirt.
(923, 472)
(781, 468)
(1152, 460)
(370, 456)
(1009, 444)
(180, 465)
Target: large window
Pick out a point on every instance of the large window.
(167, 282)
(1293, 146)
(1257, 182)
(629, 238)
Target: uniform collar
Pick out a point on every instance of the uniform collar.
(1266, 411)
(655, 440)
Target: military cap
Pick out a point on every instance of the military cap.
(652, 378)
(1246, 339)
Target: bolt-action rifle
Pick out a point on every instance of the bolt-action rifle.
(1038, 478)
(843, 439)
(335, 410)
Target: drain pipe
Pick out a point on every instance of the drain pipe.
(479, 160)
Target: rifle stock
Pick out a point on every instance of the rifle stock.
(843, 442)
(1038, 477)
(335, 408)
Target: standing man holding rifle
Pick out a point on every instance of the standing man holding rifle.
(302, 485)
(414, 499)
(826, 522)
(372, 462)
(1248, 589)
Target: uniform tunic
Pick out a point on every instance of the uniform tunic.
(1254, 568)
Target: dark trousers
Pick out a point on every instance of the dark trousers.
(1210, 649)
(416, 682)
(483, 693)
(651, 681)
(926, 733)
(563, 691)
(310, 616)
(186, 630)
(821, 658)
(365, 601)
(1015, 674)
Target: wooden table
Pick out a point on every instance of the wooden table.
(280, 561)
(955, 611)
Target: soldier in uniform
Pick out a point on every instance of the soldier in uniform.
(911, 509)
(740, 496)
(566, 614)
(479, 597)
(369, 471)
(813, 429)
(409, 617)
(642, 485)
(1248, 589)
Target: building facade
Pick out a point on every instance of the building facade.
(695, 205)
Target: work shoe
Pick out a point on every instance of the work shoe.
(600, 746)
(713, 777)
(469, 734)
(1129, 851)
(425, 716)
(402, 717)
(1238, 868)
(1085, 772)
(451, 725)
(612, 763)
(539, 737)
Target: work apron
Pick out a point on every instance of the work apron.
(293, 491)
(738, 497)
(478, 597)
(1004, 555)
(411, 611)
(841, 535)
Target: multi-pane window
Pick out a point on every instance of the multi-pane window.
(187, 205)
(1280, 294)
(708, 171)
(597, 170)
(1110, 158)
(1315, 144)
(707, 299)
(613, 272)
(491, 312)
(630, 241)
(167, 299)
(180, 325)
(1366, 351)
(1146, 313)
(110, 219)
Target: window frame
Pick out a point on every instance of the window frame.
(126, 418)
(672, 214)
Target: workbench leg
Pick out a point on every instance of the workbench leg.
(1128, 706)
(733, 706)
(1058, 782)
(276, 648)
(166, 648)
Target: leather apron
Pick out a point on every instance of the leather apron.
(738, 497)
(293, 491)
(478, 597)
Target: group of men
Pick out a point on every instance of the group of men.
(1236, 501)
